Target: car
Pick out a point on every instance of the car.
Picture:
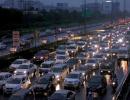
(61, 59)
(22, 94)
(41, 56)
(45, 85)
(3, 78)
(15, 64)
(62, 53)
(2, 46)
(107, 68)
(100, 57)
(97, 85)
(60, 71)
(61, 48)
(72, 50)
(16, 83)
(73, 63)
(62, 95)
(92, 63)
(82, 57)
(27, 70)
(46, 67)
(81, 44)
(123, 53)
(85, 71)
(74, 80)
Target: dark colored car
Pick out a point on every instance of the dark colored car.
(41, 56)
(107, 68)
(23, 94)
(45, 85)
(97, 85)
(73, 63)
(62, 95)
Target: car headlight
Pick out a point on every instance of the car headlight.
(25, 72)
(41, 57)
(94, 65)
(57, 76)
(101, 71)
(34, 57)
(15, 72)
(113, 54)
(109, 71)
(108, 54)
(113, 83)
(83, 73)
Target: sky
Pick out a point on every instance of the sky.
(79, 2)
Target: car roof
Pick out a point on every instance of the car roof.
(20, 59)
(48, 62)
(59, 65)
(75, 72)
(62, 91)
(4, 73)
(18, 76)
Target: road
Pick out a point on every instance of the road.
(52, 38)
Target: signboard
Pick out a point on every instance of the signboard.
(16, 39)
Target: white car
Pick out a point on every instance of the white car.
(3, 78)
(74, 80)
(60, 71)
(26, 70)
(123, 53)
(17, 63)
(46, 67)
(62, 53)
(62, 59)
(92, 63)
(16, 83)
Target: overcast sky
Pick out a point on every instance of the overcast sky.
(79, 2)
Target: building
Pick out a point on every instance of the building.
(110, 7)
(94, 7)
(22, 4)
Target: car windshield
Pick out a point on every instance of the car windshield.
(43, 81)
(91, 61)
(14, 81)
(60, 52)
(61, 47)
(57, 70)
(72, 61)
(61, 57)
(95, 80)
(23, 66)
(73, 76)
(71, 47)
(98, 56)
(17, 62)
(46, 66)
(1, 78)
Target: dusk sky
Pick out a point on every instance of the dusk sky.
(79, 2)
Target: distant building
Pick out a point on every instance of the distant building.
(23, 4)
(94, 7)
(110, 7)
(62, 6)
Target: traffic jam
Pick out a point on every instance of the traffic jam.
(87, 63)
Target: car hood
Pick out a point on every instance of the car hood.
(44, 86)
(12, 85)
(21, 70)
(71, 79)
